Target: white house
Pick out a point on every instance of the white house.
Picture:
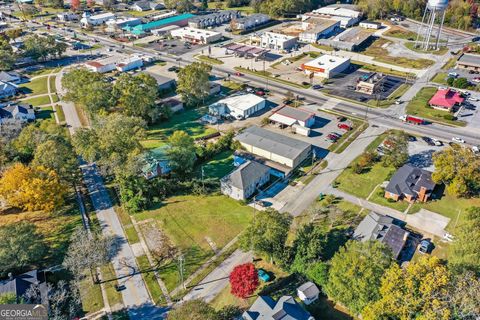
(244, 181)
(308, 292)
(277, 41)
(96, 20)
(326, 66)
(22, 113)
(240, 107)
(129, 63)
(370, 24)
(194, 35)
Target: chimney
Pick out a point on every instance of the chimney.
(422, 194)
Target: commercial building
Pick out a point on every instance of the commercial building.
(67, 16)
(469, 61)
(178, 20)
(277, 41)
(95, 20)
(352, 39)
(214, 19)
(316, 28)
(239, 107)
(275, 147)
(370, 24)
(382, 228)
(123, 22)
(326, 66)
(102, 65)
(411, 184)
(446, 100)
(245, 181)
(370, 83)
(198, 36)
(346, 14)
(129, 63)
(284, 308)
(250, 22)
(289, 116)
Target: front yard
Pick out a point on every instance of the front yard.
(36, 86)
(197, 225)
(418, 106)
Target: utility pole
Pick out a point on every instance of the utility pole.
(181, 262)
(203, 183)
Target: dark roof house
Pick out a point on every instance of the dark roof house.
(285, 308)
(410, 183)
(10, 76)
(18, 285)
(244, 181)
(23, 113)
(382, 228)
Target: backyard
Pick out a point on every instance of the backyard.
(187, 221)
(36, 86)
(419, 106)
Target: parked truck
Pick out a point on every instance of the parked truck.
(412, 119)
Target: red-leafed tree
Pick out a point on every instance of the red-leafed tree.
(74, 5)
(244, 280)
(90, 3)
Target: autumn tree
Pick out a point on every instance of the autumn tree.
(464, 252)
(463, 295)
(244, 280)
(193, 310)
(355, 273)
(74, 5)
(21, 245)
(396, 152)
(267, 233)
(113, 141)
(309, 246)
(136, 96)
(87, 251)
(32, 188)
(418, 291)
(88, 89)
(459, 169)
(180, 5)
(181, 153)
(193, 83)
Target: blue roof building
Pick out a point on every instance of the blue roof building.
(180, 20)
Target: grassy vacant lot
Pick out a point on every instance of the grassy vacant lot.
(419, 106)
(53, 88)
(60, 113)
(377, 50)
(322, 47)
(218, 166)
(38, 101)
(42, 72)
(269, 76)
(400, 33)
(208, 59)
(371, 67)
(187, 121)
(187, 221)
(150, 280)
(36, 86)
(441, 51)
(139, 13)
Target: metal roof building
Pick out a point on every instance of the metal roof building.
(274, 146)
(180, 20)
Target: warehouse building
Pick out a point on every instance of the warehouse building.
(129, 63)
(277, 41)
(96, 20)
(289, 116)
(316, 28)
(275, 147)
(352, 39)
(251, 21)
(197, 36)
(177, 20)
(347, 15)
(239, 107)
(469, 62)
(102, 65)
(370, 25)
(326, 66)
(124, 22)
(214, 19)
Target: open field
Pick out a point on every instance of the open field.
(418, 106)
(187, 121)
(374, 68)
(187, 221)
(36, 86)
(441, 51)
(268, 75)
(37, 101)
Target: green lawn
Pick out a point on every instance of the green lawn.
(322, 47)
(150, 280)
(45, 113)
(53, 88)
(91, 295)
(110, 280)
(36, 86)
(218, 166)
(43, 71)
(269, 76)
(440, 78)
(381, 54)
(378, 197)
(374, 68)
(208, 59)
(187, 121)
(140, 13)
(189, 220)
(400, 33)
(38, 101)
(60, 113)
(132, 235)
(419, 106)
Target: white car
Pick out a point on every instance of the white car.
(453, 74)
(437, 142)
(457, 139)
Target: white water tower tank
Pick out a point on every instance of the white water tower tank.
(438, 5)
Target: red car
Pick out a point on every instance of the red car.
(238, 74)
(260, 93)
(344, 126)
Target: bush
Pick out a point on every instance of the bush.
(461, 83)
(450, 81)
(449, 117)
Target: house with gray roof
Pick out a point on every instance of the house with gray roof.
(382, 228)
(411, 184)
(308, 292)
(7, 89)
(18, 285)
(285, 308)
(16, 112)
(274, 146)
(244, 181)
(213, 19)
(10, 76)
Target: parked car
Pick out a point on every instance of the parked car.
(428, 140)
(458, 139)
(316, 87)
(120, 287)
(453, 74)
(344, 126)
(424, 246)
(238, 74)
(476, 79)
(437, 142)
(260, 93)
(263, 275)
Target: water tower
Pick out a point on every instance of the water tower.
(434, 9)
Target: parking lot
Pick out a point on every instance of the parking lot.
(344, 86)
